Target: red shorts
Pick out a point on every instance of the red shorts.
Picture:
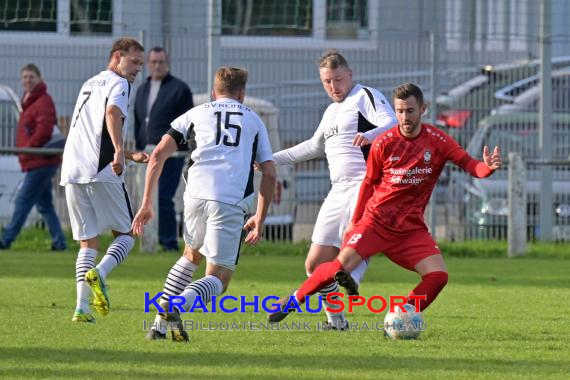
(405, 249)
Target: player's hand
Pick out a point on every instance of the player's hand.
(118, 163)
(256, 166)
(493, 161)
(360, 140)
(140, 157)
(144, 215)
(254, 230)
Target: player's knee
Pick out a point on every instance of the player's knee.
(310, 267)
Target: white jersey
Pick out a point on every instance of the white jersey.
(364, 110)
(89, 150)
(228, 136)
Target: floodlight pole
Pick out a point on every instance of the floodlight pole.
(432, 207)
(214, 35)
(545, 115)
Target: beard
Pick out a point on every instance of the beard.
(410, 128)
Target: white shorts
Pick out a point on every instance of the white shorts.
(214, 228)
(97, 207)
(335, 214)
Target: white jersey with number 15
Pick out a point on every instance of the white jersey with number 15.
(229, 136)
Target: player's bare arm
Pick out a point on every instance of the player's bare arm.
(114, 119)
(493, 160)
(254, 225)
(160, 154)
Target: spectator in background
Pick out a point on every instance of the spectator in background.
(160, 100)
(35, 129)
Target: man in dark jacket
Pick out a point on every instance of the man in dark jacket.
(160, 100)
(35, 129)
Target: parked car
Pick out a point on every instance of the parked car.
(461, 108)
(524, 95)
(481, 204)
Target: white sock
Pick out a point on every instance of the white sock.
(116, 254)
(358, 272)
(178, 278)
(85, 261)
(205, 287)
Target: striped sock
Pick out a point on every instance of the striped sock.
(205, 287)
(178, 278)
(336, 319)
(85, 261)
(116, 254)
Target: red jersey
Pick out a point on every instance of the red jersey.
(403, 173)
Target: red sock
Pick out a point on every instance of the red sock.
(323, 275)
(432, 283)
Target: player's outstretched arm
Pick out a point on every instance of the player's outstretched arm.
(163, 150)
(306, 150)
(478, 169)
(254, 225)
(493, 161)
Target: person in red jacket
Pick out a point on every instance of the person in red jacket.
(35, 129)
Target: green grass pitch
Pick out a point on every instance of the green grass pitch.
(497, 318)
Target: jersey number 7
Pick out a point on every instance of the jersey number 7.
(227, 125)
(88, 94)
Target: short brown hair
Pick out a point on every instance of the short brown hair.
(125, 44)
(230, 80)
(33, 68)
(406, 90)
(332, 59)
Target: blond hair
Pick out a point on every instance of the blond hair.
(230, 80)
(332, 59)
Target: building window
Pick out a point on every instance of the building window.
(91, 16)
(344, 18)
(267, 17)
(347, 18)
(30, 15)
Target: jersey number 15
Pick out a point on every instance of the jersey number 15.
(227, 125)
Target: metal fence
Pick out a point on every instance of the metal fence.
(477, 62)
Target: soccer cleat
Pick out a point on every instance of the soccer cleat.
(281, 314)
(345, 280)
(155, 335)
(101, 299)
(175, 323)
(80, 316)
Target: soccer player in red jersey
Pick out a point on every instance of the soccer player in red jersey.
(401, 172)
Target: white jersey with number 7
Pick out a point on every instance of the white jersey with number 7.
(88, 149)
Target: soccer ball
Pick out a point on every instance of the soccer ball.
(400, 325)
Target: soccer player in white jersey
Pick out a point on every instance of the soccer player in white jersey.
(92, 173)
(357, 115)
(228, 136)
